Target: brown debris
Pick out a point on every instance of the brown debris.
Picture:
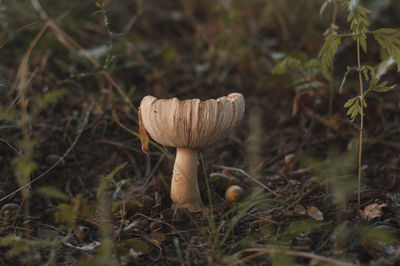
(314, 213)
(372, 211)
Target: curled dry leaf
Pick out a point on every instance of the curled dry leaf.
(159, 236)
(302, 99)
(296, 105)
(314, 213)
(144, 137)
(372, 211)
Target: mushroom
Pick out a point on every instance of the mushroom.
(189, 125)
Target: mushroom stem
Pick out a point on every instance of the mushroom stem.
(184, 186)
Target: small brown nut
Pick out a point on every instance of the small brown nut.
(290, 160)
(234, 193)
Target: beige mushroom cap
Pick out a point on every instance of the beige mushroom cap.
(191, 123)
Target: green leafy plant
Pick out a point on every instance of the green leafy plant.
(358, 19)
(305, 74)
(301, 68)
(69, 212)
(330, 31)
(108, 183)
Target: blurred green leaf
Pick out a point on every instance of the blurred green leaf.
(66, 214)
(337, 171)
(108, 182)
(53, 193)
(135, 203)
(115, 206)
(134, 243)
(328, 50)
(7, 114)
(279, 257)
(390, 44)
(20, 245)
(24, 167)
(376, 234)
(304, 227)
(44, 100)
(168, 53)
(350, 102)
(282, 79)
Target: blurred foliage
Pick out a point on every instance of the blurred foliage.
(21, 246)
(108, 182)
(135, 244)
(279, 257)
(336, 172)
(299, 67)
(68, 212)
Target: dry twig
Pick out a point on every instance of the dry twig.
(249, 176)
(267, 250)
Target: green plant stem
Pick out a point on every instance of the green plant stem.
(331, 92)
(331, 83)
(361, 124)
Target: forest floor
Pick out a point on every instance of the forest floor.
(72, 76)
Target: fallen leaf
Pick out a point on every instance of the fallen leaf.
(159, 236)
(296, 105)
(299, 209)
(372, 211)
(144, 138)
(314, 213)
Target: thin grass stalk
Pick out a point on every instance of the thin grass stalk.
(361, 122)
(210, 216)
